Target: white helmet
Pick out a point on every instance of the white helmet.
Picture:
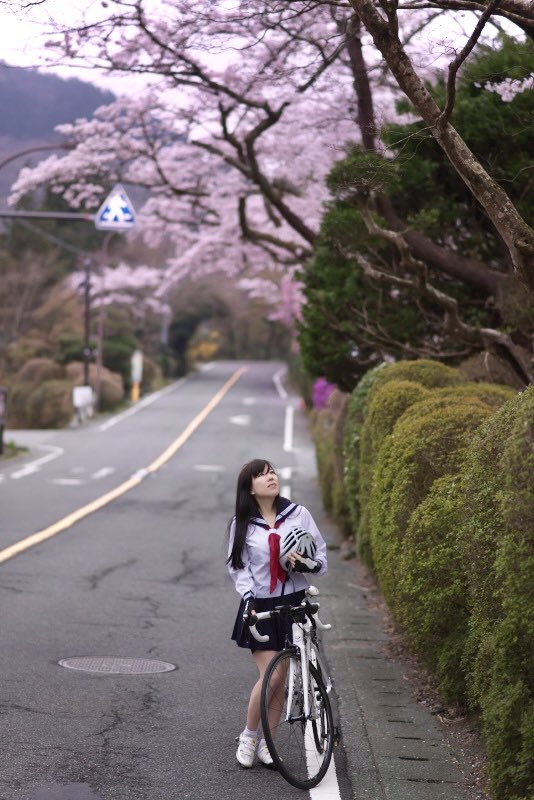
(296, 540)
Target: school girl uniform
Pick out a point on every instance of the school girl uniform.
(263, 578)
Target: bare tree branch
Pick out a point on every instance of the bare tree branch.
(455, 65)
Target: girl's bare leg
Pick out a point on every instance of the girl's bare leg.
(262, 659)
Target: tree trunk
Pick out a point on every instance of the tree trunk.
(516, 234)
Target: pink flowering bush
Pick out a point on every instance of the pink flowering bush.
(321, 391)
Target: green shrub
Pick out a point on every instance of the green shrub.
(152, 375)
(351, 452)
(427, 443)
(491, 394)
(111, 383)
(385, 405)
(327, 432)
(111, 390)
(499, 553)
(38, 370)
(50, 405)
(431, 594)
(431, 374)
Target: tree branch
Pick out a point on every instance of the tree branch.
(487, 338)
(455, 65)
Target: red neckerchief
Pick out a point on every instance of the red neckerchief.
(277, 573)
(286, 507)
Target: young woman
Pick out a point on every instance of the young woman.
(261, 520)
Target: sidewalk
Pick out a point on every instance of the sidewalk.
(395, 747)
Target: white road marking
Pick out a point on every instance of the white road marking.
(90, 508)
(240, 419)
(138, 406)
(328, 789)
(288, 429)
(206, 367)
(67, 481)
(249, 401)
(35, 466)
(209, 468)
(285, 474)
(102, 473)
(277, 380)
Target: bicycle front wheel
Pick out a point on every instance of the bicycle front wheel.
(300, 744)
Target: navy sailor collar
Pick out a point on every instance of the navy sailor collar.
(285, 509)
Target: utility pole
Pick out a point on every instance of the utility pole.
(87, 320)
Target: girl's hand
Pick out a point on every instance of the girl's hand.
(299, 564)
(292, 557)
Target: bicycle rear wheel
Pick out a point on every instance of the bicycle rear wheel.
(300, 746)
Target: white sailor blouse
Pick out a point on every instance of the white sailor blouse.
(261, 575)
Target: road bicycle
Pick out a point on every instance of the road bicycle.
(296, 714)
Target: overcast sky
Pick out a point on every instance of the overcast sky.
(24, 32)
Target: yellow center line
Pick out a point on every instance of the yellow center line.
(105, 499)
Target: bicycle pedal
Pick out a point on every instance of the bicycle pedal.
(336, 737)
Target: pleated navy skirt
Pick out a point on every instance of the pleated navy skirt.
(278, 629)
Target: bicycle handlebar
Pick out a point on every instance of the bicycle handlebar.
(311, 591)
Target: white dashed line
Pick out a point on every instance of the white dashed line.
(277, 380)
(35, 466)
(102, 473)
(138, 406)
(240, 419)
(288, 429)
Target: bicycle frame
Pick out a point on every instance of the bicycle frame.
(303, 641)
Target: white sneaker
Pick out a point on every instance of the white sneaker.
(246, 751)
(263, 754)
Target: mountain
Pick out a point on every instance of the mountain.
(32, 104)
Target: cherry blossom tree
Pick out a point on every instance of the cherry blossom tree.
(235, 144)
(250, 105)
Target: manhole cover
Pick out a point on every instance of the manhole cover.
(112, 665)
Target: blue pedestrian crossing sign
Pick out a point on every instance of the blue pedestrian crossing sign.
(116, 212)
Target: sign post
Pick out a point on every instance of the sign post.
(3, 414)
(137, 374)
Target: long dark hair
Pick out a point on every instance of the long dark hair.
(246, 508)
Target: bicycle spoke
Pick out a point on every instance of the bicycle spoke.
(300, 747)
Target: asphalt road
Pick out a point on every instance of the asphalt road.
(143, 577)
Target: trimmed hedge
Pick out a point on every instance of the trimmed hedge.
(437, 477)
(499, 556)
(351, 454)
(50, 405)
(327, 431)
(385, 404)
(428, 442)
(431, 374)
(431, 593)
